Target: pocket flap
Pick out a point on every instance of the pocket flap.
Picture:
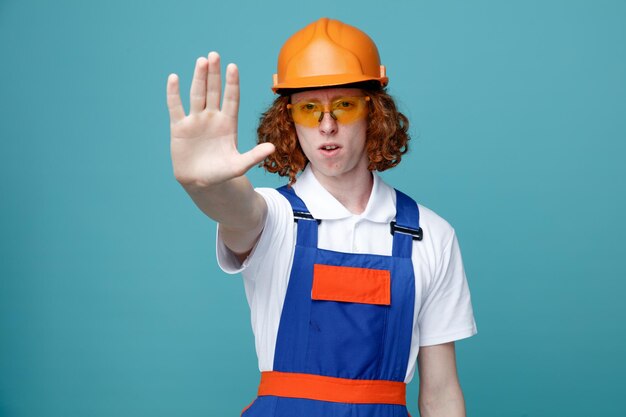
(349, 284)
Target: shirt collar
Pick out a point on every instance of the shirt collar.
(381, 206)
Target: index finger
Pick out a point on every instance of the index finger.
(230, 106)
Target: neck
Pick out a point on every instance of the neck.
(353, 192)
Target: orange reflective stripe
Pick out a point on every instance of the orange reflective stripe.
(353, 285)
(326, 388)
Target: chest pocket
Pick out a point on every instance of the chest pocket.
(350, 284)
(348, 321)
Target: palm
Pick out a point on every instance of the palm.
(204, 142)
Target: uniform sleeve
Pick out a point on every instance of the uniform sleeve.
(277, 226)
(446, 313)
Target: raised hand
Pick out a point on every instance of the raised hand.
(204, 142)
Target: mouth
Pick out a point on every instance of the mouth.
(329, 149)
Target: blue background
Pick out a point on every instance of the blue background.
(111, 302)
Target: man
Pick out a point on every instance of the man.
(350, 283)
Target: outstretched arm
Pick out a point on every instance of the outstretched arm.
(205, 158)
(440, 393)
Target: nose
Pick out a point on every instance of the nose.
(328, 124)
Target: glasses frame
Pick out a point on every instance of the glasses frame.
(327, 107)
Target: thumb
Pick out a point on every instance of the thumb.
(257, 154)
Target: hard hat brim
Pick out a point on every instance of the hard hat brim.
(326, 81)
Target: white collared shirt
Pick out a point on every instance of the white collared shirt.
(443, 310)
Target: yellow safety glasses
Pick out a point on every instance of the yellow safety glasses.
(344, 110)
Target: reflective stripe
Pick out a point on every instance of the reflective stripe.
(326, 388)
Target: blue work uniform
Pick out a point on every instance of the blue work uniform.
(358, 341)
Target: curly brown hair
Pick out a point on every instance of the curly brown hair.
(386, 142)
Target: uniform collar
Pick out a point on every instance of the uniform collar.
(381, 206)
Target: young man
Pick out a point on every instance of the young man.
(347, 279)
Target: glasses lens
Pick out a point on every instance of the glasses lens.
(344, 109)
(307, 113)
(349, 109)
